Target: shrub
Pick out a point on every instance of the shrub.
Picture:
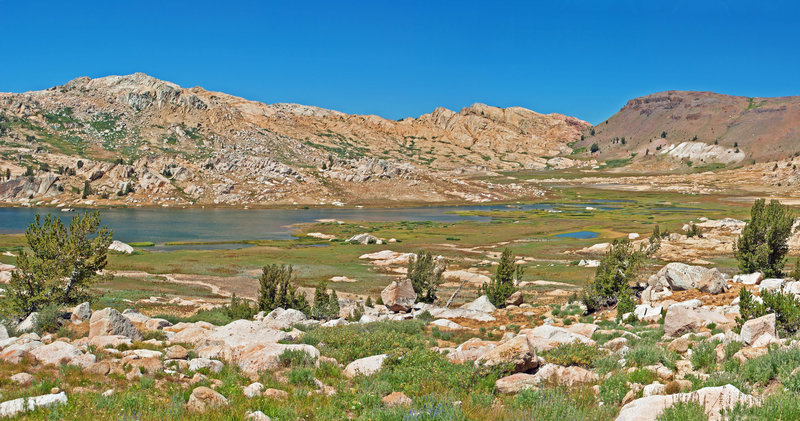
(49, 319)
(684, 411)
(785, 306)
(276, 289)
(595, 147)
(614, 389)
(693, 231)
(301, 376)
(502, 286)
(351, 342)
(762, 246)
(617, 269)
(704, 355)
(296, 358)
(425, 275)
(767, 367)
(607, 364)
(240, 308)
(575, 353)
(649, 354)
(559, 404)
(732, 348)
(641, 376)
(326, 306)
(59, 264)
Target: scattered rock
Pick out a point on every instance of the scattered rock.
(481, 303)
(253, 390)
(81, 312)
(20, 405)
(108, 322)
(22, 379)
(714, 399)
(399, 296)
(516, 383)
(365, 366)
(753, 329)
(120, 247)
(203, 399)
(396, 399)
(517, 352)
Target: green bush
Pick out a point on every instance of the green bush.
(641, 376)
(49, 319)
(785, 306)
(767, 367)
(684, 411)
(575, 353)
(704, 355)
(649, 354)
(276, 289)
(763, 244)
(326, 306)
(351, 342)
(614, 389)
(559, 404)
(296, 358)
(301, 376)
(240, 308)
(778, 406)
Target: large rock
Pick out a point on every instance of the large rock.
(713, 399)
(547, 337)
(20, 405)
(749, 279)
(110, 322)
(680, 320)
(515, 299)
(755, 328)
(565, 376)
(81, 312)
(771, 284)
(364, 239)
(481, 303)
(29, 324)
(516, 383)
(399, 296)
(678, 276)
(365, 366)
(259, 357)
(284, 319)
(648, 313)
(516, 352)
(470, 350)
(56, 353)
(713, 282)
(120, 247)
(203, 399)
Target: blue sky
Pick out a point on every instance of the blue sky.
(404, 58)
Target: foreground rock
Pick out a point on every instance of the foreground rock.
(713, 399)
(517, 352)
(20, 405)
(547, 337)
(110, 322)
(365, 366)
(204, 399)
(680, 320)
(753, 329)
(681, 277)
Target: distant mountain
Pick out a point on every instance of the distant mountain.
(700, 126)
(141, 140)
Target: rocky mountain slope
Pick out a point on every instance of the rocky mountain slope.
(703, 127)
(139, 140)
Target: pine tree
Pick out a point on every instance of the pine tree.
(59, 264)
(503, 285)
(87, 190)
(276, 289)
(763, 244)
(611, 284)
(425, 275)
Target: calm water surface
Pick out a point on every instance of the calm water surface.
(164, 225)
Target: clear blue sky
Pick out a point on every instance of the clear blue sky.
(404, 58)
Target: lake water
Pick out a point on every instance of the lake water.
(164, 225)
(583, 235)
